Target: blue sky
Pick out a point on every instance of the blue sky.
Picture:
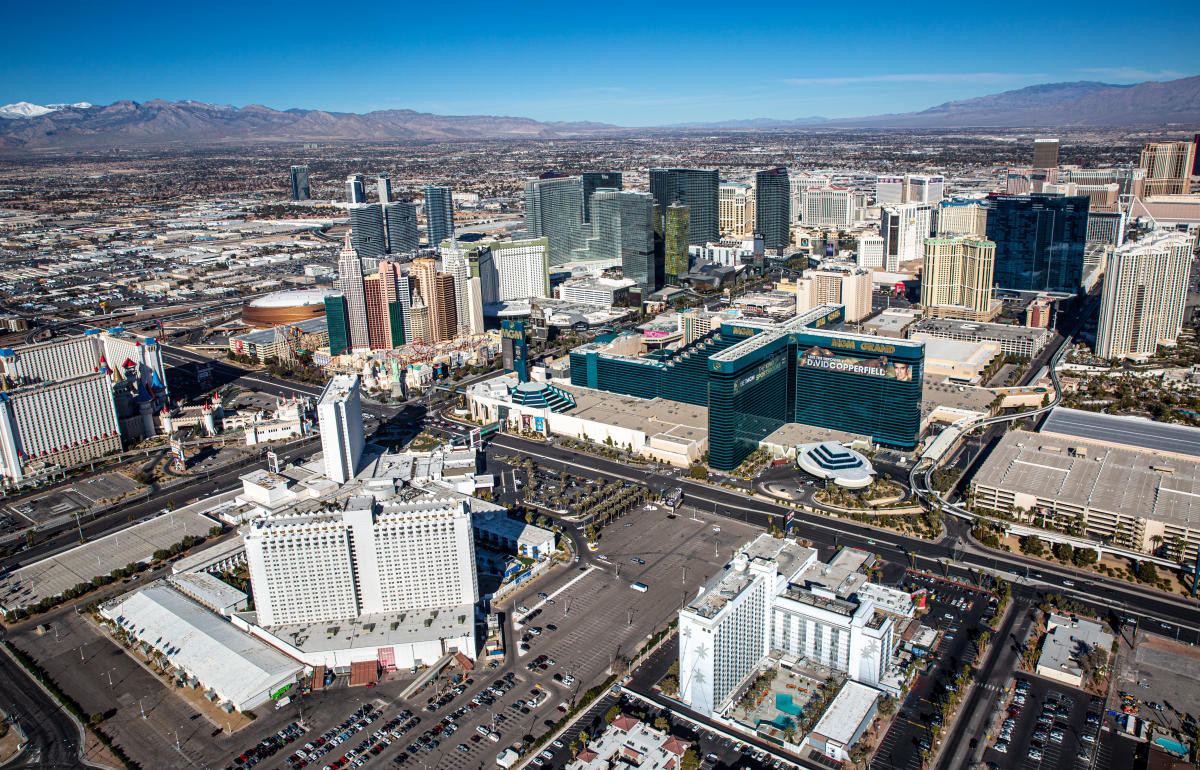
(629, 63)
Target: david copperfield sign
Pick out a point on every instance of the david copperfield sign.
(823, 358)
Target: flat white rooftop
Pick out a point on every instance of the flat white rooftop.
(234, 664)
(847, 712)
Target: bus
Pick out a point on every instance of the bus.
(673, 498)
(640, 587)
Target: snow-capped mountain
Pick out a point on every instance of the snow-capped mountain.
(29, 110)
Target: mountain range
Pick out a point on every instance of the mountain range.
(79, 126)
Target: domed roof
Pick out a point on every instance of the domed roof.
(295, 298)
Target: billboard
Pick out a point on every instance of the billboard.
(539, 424)
(515, 349)
(881, 366)
(177, 454)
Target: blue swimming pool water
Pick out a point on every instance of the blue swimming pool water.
(1172, 746)
(783, 702)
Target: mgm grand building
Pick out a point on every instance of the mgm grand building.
(754, 377)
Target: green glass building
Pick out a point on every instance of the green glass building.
(755, 377)
(338, 320)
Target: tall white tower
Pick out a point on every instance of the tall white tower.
(339, 410)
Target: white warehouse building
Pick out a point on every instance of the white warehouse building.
(233, 666)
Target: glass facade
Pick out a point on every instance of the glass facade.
(300, 187)
(366, 230)
(873, 388)
(772, 205)
(554, 211)
(623, 227)
(339, 324)
(756, 378)
(355, 191)
(675, 243)
(401, 221)
(396, 322)
(1039, 241)
(747, 403)
(439, 213)
(597, 180)
(698, 190)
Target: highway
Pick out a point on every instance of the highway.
(55, 738)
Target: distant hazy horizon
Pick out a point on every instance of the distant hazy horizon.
(633, 65)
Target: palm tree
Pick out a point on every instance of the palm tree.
(1156, 542)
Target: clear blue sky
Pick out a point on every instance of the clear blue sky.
(629, 63)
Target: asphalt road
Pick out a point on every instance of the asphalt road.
(67, 536)
(973, 719)
(54, 737)
(1164, 614)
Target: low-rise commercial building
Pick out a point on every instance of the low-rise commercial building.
(282, 343)
(845, 721)
(630, 742)
(957, 361)
(1069, 641)
(655, 428)
(232, 665)
(604, 292)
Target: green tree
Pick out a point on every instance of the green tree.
(611, 715)
(662, 723)
(1086, 556)
(1033, 546)
(690, 760)
(1064, 552)
(698, 471)
(1147, 573)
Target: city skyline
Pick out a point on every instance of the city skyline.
(271, 58)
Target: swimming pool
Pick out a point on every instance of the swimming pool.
(1172, 746)
(784, 703)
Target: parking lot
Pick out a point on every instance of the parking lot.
(585, 603)
(589, 619)
(1045, 724)
(956, 611)
(1163, 676)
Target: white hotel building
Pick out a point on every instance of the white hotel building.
(391, 580)
(828, 207)
(339, 411)
(72, 400)
(776, 600)
(1144, 301)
